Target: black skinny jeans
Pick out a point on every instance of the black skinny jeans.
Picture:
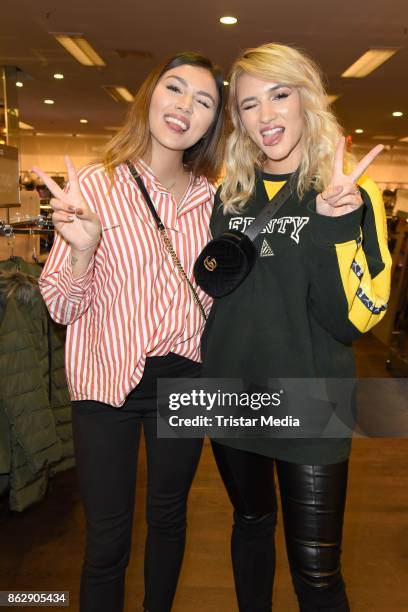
(106, 446)
(313, 500)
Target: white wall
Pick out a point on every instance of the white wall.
(48, 152)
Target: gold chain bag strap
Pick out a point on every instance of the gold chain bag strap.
(165, 238)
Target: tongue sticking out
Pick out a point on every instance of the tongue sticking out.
(273, 138)
(176, 127)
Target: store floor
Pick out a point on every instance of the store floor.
(41, 549)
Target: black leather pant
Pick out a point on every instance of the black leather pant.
(313, 499)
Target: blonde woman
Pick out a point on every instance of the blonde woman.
(132, 319)
(321, 279)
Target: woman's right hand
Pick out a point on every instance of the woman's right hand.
(72, 217)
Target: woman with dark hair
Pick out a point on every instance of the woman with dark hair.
(322, 278)
(132, 318)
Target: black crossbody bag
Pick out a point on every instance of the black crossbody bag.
(227, 260)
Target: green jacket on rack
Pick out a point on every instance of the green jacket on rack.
(35, 409)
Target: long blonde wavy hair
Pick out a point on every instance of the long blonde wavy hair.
(280, 64)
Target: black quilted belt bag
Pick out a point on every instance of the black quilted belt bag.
(227, 260)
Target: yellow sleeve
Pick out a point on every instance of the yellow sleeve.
(350, 267)
(365, 264)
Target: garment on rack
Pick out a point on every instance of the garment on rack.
(35, 409)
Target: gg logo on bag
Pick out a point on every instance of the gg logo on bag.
(210, 263)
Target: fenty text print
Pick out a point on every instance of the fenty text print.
(283, 225)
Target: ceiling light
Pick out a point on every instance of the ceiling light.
(19, 84)
(48, 101)
(332, 98)
(404, 139)
(397, 114)
(119, 94)
(368, 62)
(228, 20)
(226, 83)
(359, 131)
(58, 76)
(125, 93)
(25, 126)
(83, 121)
(2, 142)
(80, 49)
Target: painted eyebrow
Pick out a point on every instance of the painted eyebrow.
(183, 82)
(253, 98)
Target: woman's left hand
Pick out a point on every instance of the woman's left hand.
(342, 196)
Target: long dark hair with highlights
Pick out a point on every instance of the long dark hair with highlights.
(205, 157)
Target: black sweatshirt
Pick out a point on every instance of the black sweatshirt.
(317, 284)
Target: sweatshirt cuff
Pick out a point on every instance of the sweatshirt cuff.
(328, 231)
(75, 288)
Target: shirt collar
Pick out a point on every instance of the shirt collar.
(199, 189)
(152, 182)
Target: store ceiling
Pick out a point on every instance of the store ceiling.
(334, 33)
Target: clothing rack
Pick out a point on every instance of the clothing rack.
(50, 172)
(27, 231)
(33, 228)
(30, 227)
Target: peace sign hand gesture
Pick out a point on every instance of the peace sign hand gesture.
(72, 217)
(342, 196)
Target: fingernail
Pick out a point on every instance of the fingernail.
(79, 211)
(71, 208)
(71, 218)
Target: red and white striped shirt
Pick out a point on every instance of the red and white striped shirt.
(131, 302)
